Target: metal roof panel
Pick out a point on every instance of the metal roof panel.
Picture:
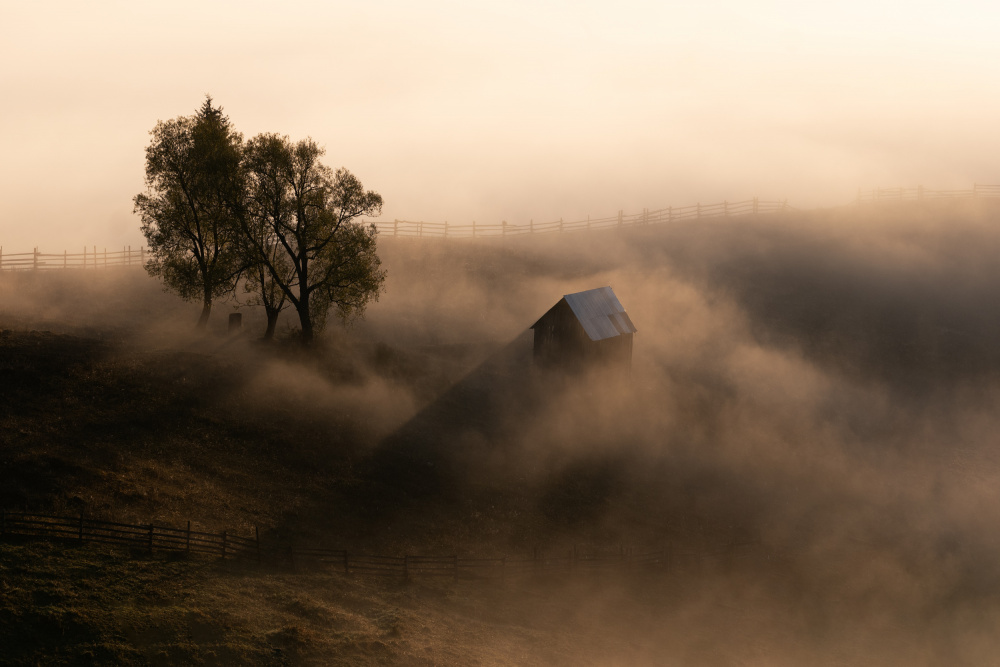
(600, 313)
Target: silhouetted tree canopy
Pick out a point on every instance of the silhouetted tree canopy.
(268, 210)
(192, 235)
(300, 218)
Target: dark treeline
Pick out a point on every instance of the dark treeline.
(265, 214)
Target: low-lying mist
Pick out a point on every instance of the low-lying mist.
(812, 400)
(823, 385)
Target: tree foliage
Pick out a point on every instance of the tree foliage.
(268, 210)
(185, 216)
(301, 221)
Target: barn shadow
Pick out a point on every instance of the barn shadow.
(432, 453)
(469, 433)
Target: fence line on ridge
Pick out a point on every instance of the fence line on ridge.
(920, 192)
(88, 259)
(409, 228)
(127, 256)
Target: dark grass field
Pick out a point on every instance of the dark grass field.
(809, 426)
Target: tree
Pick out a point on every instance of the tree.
(265, 290)
(299, 219)
(261, 207)
(188, 224)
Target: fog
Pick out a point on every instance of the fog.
(822, 385)
(515, 111)
(808, 426)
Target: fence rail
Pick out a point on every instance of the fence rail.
(920, 192)
(226, 544)
(409, 228)
(127, 256)
(88, 259)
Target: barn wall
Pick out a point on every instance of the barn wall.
(559, 338)
(560, 341)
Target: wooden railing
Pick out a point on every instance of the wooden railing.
(227, 544)
(645, 217)
(88, 259)
(920, 192)
(127, 256)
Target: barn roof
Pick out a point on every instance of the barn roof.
(600, 313)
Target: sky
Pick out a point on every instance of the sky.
(490, 111)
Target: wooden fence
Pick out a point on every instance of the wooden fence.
(920, 192)
(226, 544)
(646, 217)
(36, 260)
(92, 258)
(88, 259)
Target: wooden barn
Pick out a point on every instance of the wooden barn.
(584, 328)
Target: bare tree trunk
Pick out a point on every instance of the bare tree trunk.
(272, 322)
(305, 321)
(206, 310)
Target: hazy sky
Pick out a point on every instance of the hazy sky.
(511, 110)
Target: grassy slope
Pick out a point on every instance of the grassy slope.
(103, 419)
(89, 605)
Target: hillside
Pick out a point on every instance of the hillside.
(807, 427)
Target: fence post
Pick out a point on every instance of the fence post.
(142, 255)
(531, 226)
(420, 229)
(65, 257)
(187, 541)
(105, 258)
(446, 229)
(34, 264)
(503, 228)
(395, 227)
(620, 216)
(256, 532)
(150, 538)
